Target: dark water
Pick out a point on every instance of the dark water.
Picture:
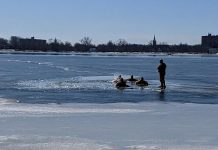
(61, 79)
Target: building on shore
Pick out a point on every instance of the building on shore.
(210, 41)
(27, 44)
(32, 44)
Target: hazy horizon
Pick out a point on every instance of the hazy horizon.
(136, 21)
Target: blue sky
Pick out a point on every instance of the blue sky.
(172, 21)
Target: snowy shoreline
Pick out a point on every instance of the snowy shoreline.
(106, 53)
(118, 126)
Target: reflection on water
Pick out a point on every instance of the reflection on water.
(162, 95)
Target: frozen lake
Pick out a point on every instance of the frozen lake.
(65, 102)
(44, 79)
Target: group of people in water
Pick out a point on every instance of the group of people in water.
(122, 83)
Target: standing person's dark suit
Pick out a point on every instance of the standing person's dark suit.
(162, 71)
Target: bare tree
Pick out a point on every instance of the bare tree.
(110, 43)
(68, 44)
(15, 41)
(3, 43)
(163, 43)
(122, 42)
(86, 41)
(150, 43)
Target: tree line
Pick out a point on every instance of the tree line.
(86, 45)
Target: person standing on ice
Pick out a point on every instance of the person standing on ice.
(162, 71)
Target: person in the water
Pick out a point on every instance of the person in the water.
(141, 82)
(121, 83)
(117, 79)
(162, 71)
(132, 79)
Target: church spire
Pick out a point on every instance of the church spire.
(154, 41)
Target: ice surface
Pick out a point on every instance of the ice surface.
(121, 126)
(12, 108)
(49, 143)
(93, 82)
(47, 64)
